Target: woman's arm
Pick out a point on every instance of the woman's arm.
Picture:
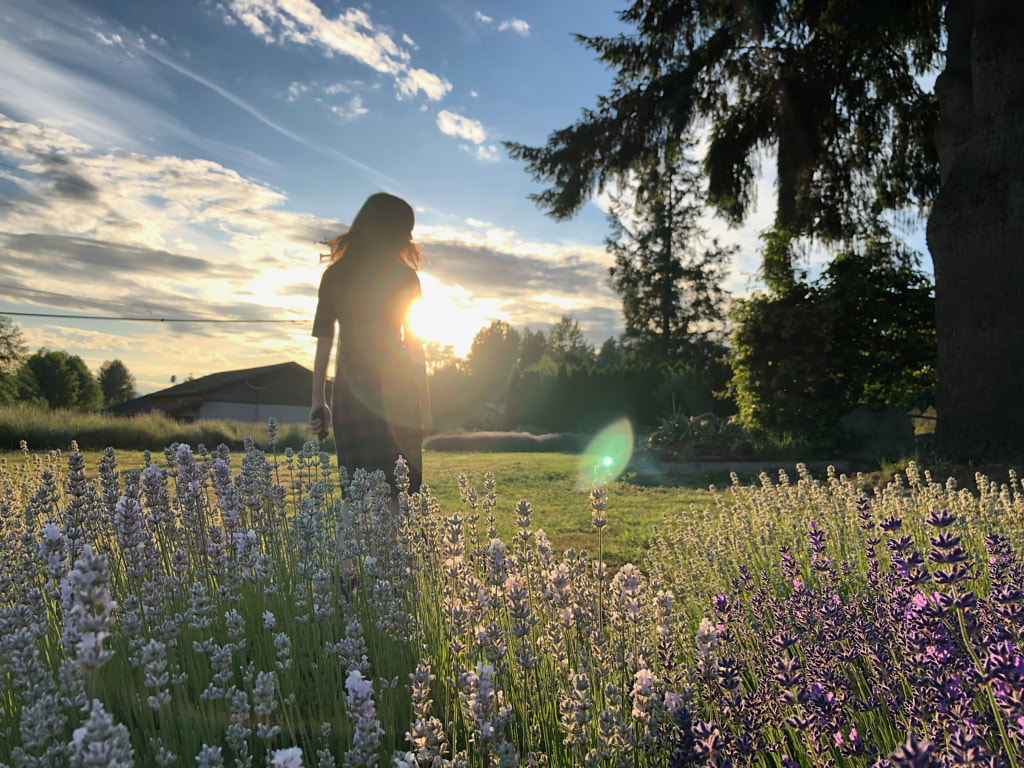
(320, 422)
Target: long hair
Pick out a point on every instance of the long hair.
(382, 227)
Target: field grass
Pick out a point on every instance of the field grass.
(561, 505)
(45, 429)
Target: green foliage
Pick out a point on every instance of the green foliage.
(12, 346)
(456, 400)
(832, 88)
(566, 344)
(494, 352)
(717, 432)
(610, 353)
(532, 347)
(12, 355)
(441, 357)
(587, 399)
(62, 380)
(862, 334)
(116, 382)
(687, 391)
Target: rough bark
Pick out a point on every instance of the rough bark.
(976, 233)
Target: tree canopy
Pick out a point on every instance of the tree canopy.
(116, 382)
(567, 345)
(12, 354)
(494, 352)
(832, 88)
(668, 271)
(63, 380)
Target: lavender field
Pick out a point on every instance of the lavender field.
(231, 610)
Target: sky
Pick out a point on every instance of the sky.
(185, 159)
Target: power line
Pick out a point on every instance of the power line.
(150, 319)
(118, 302)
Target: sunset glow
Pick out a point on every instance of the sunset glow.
(449, 315)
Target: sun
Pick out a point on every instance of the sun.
(447, 315)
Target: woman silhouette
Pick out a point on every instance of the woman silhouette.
(380, 405)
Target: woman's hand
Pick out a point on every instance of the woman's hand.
(320, 419)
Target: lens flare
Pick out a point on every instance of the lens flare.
(606, 456)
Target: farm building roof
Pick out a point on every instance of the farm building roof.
(280, 384)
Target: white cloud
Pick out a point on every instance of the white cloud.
(410, 42)
(351, 34)
(352, 110)
(474, 94)
(489, 153)
(166, 236)
(111, 41)
(516, 25)
(463, 127)
(414, 80)
(482, 18)
(296, 89)
(153, 236)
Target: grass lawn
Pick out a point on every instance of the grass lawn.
(547, 480)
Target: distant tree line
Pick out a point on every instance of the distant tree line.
(56, 379)
(790, 362)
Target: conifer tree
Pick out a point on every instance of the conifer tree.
(667, 270)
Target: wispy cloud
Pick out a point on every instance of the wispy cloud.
(484, 19)
(351, 34)
(296, 89)
(112, 40)
(488, 153)
(518, 26)
(111, 232)
(412, 81)
(466, 128)
(244, 105)
(352, 110)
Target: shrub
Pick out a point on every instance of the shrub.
(863, 334)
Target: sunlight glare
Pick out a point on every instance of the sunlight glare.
(447, 316)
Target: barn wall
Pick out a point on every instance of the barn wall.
(285, 414)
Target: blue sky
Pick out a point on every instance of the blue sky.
(183, 159)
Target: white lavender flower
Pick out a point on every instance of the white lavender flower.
(100, 742)
(154, 661)
(210, 757)
(366, 728)
(91, 611)
(291, 757)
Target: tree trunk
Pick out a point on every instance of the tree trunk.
(976, 233)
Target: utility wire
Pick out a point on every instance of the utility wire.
(21, 288)
(149, 319)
